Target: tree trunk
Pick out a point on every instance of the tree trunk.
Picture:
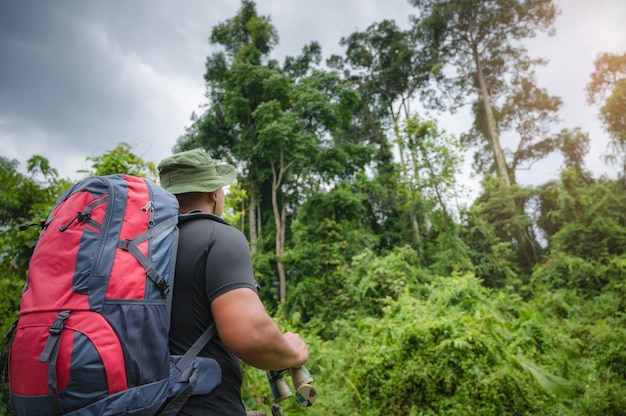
(280, 220)
(497, 150)
(280, 249)
(259, 223)
(492, 132)
(252, 223)
(407, 183)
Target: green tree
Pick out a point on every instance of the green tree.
(390, 72)
(574, 145)
(16, 191)
(608, 85)
(477, 46)
(121, 160)
(435, 161)
(484, 224)
(584, 218)
(25, 201)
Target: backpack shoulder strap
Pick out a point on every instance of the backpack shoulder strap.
(197, 346)
(174, 406)
(170, 293)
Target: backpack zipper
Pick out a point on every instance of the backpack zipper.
(85, 216)
(149, 208)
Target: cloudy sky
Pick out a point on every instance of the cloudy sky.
(78, 77)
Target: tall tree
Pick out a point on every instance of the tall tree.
(478, 47)
(291, 138)
(281, 126)
(234, 79)
(608, 85)
(526, 115)
(480, 40)
(390, 72)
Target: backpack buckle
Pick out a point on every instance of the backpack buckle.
(55, 334)
(59, 323)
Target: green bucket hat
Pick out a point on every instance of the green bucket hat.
(194, 171)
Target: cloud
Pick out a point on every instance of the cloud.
(77, 77)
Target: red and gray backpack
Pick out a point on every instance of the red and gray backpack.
(92, 332)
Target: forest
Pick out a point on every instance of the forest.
(411, 302)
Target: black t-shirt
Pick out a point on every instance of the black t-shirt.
(213, 258)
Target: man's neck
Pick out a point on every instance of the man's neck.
(204, 207)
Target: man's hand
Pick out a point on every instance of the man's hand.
(299, 344)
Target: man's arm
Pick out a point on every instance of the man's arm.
(249, 332)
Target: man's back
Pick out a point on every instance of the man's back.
(213, 258)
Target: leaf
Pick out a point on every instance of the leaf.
(549, 382)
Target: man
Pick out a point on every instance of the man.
(214, 282)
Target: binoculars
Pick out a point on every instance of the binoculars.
(301, 379)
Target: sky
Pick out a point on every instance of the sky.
(78, 77)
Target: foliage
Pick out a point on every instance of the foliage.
(18, 192)
(491, 227)
(574, 145)
(122, 160)
(370, 282)
(567, 271)
(235, 204)
(450, 350)
(435, 162)
(330, 229)
(585, 219)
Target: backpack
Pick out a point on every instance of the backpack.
(92, 333)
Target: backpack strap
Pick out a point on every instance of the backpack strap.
(195, 349)
(169, 295)
(50, 354)
(131, 246)
(174, 406)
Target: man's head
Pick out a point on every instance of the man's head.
(193, 173)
